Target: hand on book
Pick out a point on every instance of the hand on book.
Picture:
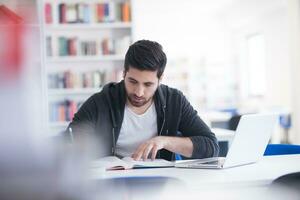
(150, 147)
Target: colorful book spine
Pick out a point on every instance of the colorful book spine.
(63, 111)
(71, 13)
(48, 13)
(69, 79)
(63, 46)
(74, 46)
(72, 50)
(112, 12)
(87, 14)
(126, 12)
(106, 12)
(72, 109)
(79, 12)
(100, 12)
(119, 15)
(62, 13)
(49, 50)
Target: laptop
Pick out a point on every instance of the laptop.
(248, 145)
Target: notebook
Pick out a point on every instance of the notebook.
(248, 145)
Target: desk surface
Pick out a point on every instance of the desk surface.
(258, 174)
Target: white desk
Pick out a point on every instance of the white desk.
(244, 182)
(261, 173)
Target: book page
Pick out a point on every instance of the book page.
(148, 163)
(111, 163)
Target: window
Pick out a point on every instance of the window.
(256, 65)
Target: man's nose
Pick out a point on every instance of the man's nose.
(139, 91)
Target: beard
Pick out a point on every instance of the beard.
(137, 101)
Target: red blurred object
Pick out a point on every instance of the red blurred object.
(10, 43)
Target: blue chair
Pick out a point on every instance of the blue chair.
(285, 122)
(178, 156)
(281, 149)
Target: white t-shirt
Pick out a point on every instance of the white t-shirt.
(135, 130)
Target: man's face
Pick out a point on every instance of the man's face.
(140, 86)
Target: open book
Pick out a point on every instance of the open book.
(115, 163)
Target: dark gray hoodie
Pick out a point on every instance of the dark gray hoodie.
(102, 115)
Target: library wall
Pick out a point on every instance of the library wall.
(200, 60)
(272, 23)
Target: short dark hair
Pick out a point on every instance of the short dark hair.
(146, 55)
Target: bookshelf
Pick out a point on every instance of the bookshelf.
(116, 25)
(83, 91)
(58, 59)
(85, 44)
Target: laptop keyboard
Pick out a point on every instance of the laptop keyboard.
(215, 162)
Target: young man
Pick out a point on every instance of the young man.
(141, 118)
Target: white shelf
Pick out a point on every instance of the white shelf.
(98, 58)
(92, 26)
(83, 91)
(59, 124)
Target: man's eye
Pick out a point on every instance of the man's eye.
(148, 84)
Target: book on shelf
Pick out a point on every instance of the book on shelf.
(89, 48)
(62, 13)
(83, 13)
(112, 12)
(70, 79)
(63, 46)
(72, 50)
(107, 46)
(99, 16)
(115, 163)
(48, 13)
(63, 111)
(75, 46)
(126, 12)
(105, 12)
(71, 13)
(49, 51)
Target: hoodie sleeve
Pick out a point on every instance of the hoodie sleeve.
(204, 141)
(84, 120)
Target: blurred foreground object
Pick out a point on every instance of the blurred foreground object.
(30, 166)
(10, 40)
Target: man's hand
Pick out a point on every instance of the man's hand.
(150, 147)
(181, 145)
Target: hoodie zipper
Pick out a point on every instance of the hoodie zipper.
(164, 120)
(162, 126)
(114, 145)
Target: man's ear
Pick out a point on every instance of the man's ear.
(124, 73)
